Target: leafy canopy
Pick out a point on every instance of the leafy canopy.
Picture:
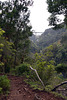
(57, 7)
(14, 20)
(14, 17)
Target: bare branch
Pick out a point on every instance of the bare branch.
(38, 76)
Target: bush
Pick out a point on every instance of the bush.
(62, 68)
(22, 68)
(46, 73)
(4, 84)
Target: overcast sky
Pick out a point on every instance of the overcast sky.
(39, 15)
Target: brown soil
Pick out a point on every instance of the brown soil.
(21, 91)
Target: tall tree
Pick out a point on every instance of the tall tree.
(14, 20)
(6, 52)
(57, 7)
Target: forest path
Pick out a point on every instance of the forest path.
(21, 91)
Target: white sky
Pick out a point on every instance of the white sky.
(38, 16)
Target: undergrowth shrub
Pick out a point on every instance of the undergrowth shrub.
(48, 75)
(4, 84)
(21, 69)
(62, 68)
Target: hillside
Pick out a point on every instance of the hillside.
(34, 47)
(48, 37)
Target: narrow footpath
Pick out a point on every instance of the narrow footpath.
(21, 91)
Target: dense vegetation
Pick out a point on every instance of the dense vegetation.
(48, 55)
(57, 8)
(4, 85)
(47, 38)
(14, 33)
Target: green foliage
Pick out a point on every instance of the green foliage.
(47, 54)
(57, 7)
(14, 20)
(33, 48)
(57, 54)
(46, 73)
(46, 39)
(61, 56)
(48, 60)
(35, 84)
(62, 68)
(6, 52)
(22, 68)
(1, 32)
(45, 67)
(45, 64)
(4, 84)
(48, 87)
(1, 45)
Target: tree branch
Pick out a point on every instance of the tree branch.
(59, 85)
(38, 76)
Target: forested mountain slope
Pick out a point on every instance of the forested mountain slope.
(48, 37)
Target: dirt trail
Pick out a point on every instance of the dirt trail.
(21, 91)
